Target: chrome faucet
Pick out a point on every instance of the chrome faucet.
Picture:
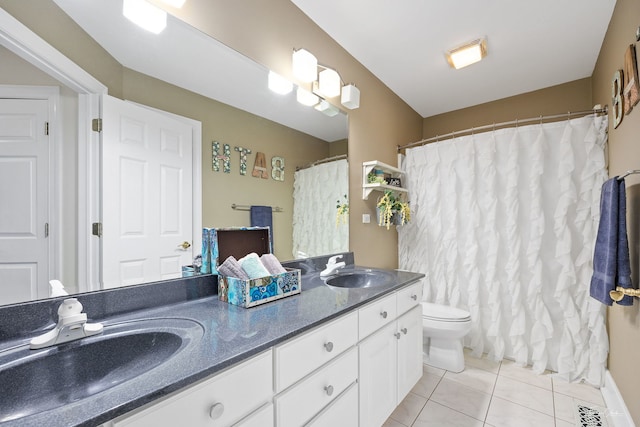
(332, 266)
(72, 325)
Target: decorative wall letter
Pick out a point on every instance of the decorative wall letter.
(616, 98)
(243, 159)
(260, 166)
(631, 88)
(225, 157)
(277, 168)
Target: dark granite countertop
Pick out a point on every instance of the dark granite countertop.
(229, 335)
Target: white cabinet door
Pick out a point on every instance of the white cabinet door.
(409, 351)
(378, 376)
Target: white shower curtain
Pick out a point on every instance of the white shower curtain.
(316, 192)
(504, 225)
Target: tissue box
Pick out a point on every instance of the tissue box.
(238, 242)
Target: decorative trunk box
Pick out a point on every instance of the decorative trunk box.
(238, 242)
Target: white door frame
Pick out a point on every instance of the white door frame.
(20, 40)
(54, 206)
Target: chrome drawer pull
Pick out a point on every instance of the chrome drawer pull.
(329, 390)
(216, 411)
(414, 297)
(383, 314)
(328, 346)
(404, 331)
(397, 335)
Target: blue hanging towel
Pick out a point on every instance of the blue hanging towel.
(261, 216)
(611, 266)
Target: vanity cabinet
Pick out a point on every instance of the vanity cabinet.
(221, 400)
(390, 359)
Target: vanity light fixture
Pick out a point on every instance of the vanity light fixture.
(326, 108)
(350, 96)
(305, 65)
(279, 84)
(329, 83)
(145, 15)
(305, 97)
(467, 54)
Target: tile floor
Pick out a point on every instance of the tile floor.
(492, 394)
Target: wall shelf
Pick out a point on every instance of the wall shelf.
(368, 188)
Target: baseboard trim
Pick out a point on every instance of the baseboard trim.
(617, 411)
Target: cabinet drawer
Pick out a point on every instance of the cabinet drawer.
(303, 401)
(377, 314)
(220, 400)
(341, 412)
(409, 297)
(263, 417)
(301, 356)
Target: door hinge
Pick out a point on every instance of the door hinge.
(46, 128)
(96, 229)
(96, 125)
(46, 229)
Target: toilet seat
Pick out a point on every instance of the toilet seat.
(443, 313)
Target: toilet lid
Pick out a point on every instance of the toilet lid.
(444, 312)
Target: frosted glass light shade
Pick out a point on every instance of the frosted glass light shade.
(305, 97)
(467, 54)
(329, 83)
(145, 15)
(305, 65)
(279, 84)
(327, 108)
(350, 97)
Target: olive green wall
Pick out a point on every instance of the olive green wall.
(624, 154)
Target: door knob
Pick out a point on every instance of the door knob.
(184, 245)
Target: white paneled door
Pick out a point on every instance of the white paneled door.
(147, 194)
(24, 199)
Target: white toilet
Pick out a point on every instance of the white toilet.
(443, 328)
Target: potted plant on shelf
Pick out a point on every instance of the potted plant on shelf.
(392, 210)
(342, 211)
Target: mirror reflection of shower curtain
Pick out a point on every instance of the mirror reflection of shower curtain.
(503, 225)
(316, 192)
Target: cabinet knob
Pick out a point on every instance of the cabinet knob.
(328, 346)
(383, 314)
(397, 335)
(414, 297)
(216, 411)
(404, 331)
(329, 390)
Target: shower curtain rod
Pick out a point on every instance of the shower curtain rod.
(319, 162)
(493, 126)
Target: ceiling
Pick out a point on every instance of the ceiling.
(175, 56)
(531, 44)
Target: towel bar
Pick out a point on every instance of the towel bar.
(620, 292)
(247, 208)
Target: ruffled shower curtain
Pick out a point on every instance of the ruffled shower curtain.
(316, 192)
(504, 226)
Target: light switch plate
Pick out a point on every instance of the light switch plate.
(366, 218)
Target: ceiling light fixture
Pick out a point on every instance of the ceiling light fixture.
(467, 54)
(350, 96)
(279, 84)
(326, 108)
(329, 83)
(307, 98)
(305, 65)
(145, 15)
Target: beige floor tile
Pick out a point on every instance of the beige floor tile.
(564, 407)
(480, 363)
(563, 423)
(436, 415)
(512, 370)
(463, 399)
(579, 391)
(476, 378)
(525, 394)
(433, 370)
(407, 412)
(427, 383)
(393, 423)
(503, 413)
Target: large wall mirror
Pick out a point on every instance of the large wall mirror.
(187, 73)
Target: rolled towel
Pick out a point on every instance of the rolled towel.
(232, 268)
(272, 264)
(252, 266)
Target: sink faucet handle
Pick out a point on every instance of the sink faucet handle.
(334, 259)
(69, 307)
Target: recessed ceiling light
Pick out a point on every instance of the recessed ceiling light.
(467, 54)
